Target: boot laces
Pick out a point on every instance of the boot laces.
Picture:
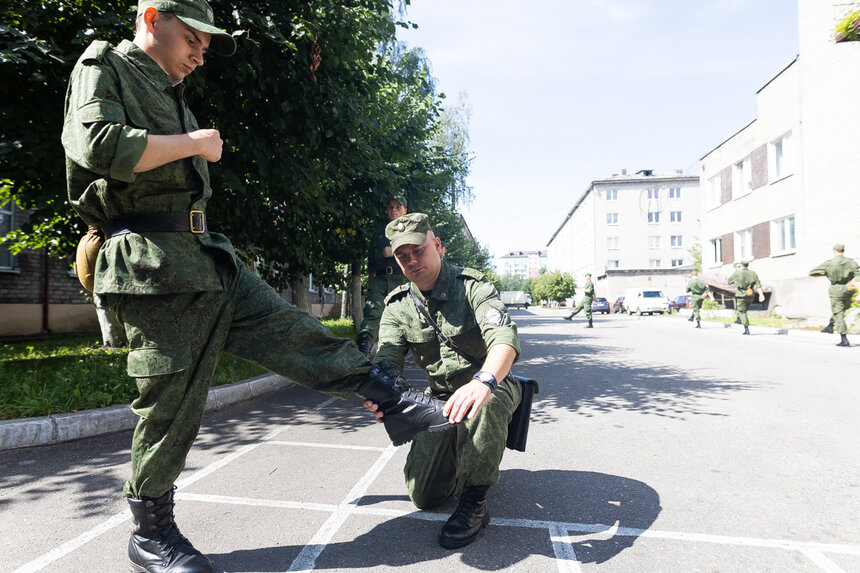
(469, 501)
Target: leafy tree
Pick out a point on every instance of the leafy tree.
(695, 253)
(511, 282)
(555, 286)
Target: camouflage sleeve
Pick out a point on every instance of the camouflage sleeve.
(733, 280)
(688, 287)
(492, 315)
(819, 270)
(392, 344)
(95, 135)
(757, 282)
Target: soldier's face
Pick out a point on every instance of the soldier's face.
(177, 47)
(421, 263)
(395, 209)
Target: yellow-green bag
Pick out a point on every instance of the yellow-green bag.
(86, 255)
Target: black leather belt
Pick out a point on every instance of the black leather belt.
(192, 221)
(396, 270)
(838, 283)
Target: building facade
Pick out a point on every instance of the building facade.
(782, 190)
(631, 231)
(523, 264)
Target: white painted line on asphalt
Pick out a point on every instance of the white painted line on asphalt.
(276, 503)
(306, 559)
(826, 564)
(562, 546)
(322, 445)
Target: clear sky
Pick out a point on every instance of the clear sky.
(564, 92)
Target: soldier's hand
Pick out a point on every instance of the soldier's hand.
(466, 401)
(761, 298)
(374, 408)
(209, 143)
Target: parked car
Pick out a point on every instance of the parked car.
(642, 301)
(682, 301)
(618, 305)
(600, 304)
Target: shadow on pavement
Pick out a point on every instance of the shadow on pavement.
(617, 504)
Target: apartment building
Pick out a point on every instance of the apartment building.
(629, 231)
(782, 190)
(523, 264)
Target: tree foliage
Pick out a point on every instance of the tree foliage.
(310, 155)
(555, 286)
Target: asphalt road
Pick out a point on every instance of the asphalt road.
(653, 447)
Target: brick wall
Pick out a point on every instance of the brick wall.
(27, 284)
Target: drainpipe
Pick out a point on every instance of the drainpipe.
(46, 296)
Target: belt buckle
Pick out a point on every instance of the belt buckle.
(197, 222)
(389, 270)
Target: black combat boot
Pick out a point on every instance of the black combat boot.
(738, 320)
(844, 341)
(364, 341)
(470, 517)
(828, 329)
(406, 410)
(589, 324)
(156, 546)
(568, 317)
(746, 330)
(698, 324)
(691, 319)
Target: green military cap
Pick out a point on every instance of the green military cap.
(745, 263)
(399, 198)
(409, 229)
(197, 14)
(839, 247)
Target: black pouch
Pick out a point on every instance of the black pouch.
(518, 429)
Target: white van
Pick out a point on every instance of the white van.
(641, 301)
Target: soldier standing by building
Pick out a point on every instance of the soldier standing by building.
(137, 169)
(841, 271)
(464, 305)
(699, 290)
(384, 276)
(745, 281)
(585, 303)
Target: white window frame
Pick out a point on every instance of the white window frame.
(677, 262)
(716, 251)
(744, 244)
(742, 180)
(653, 192)
(613, 264)
(612, 218)
(612, 243)
(654, 241)
(676, 241)
(653, 217)
(654, 263)
(674, 216)
(674, 192)
(715, 191)
(783, 236)
(780, 158)
(612, 194)
(8, 261)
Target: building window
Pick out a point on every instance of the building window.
(612, 218)
(783, 235)
(674, 192)
(779, 158)
(612, 264)
(743, 178)
(654, 193)
(611, 242)
(677, 262)
(677, 240)
(675, 216)
(7, 225)
(653, 217)
(612, 194)
(654, 263)
(743, 245)
(717, 251)
(654, 242)
(715, 191)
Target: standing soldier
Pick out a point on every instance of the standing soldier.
(841, 271)
(585, 303)
(699, 290)
(137, 169)
(745, 280)
(384, 275)
(480, 390)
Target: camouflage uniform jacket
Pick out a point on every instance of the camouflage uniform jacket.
(838, 270)
(467, 309)
(697, 287)
(116, 96)
(588, 289)
(376, 260)
(744, 279)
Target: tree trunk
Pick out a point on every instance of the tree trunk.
(357, 306)
(344, 296)
(113, 331)
(301, 295)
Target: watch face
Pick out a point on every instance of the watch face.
(485, 377)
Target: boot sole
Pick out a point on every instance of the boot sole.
(456, 543)
(407, 437)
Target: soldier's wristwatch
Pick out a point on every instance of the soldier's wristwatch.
(487, 378)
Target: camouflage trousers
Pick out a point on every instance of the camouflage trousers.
(439, 464)
(696, 301)
(840, 301)
(377, 289)
(175, 341)
(742, 303)
(585, 304)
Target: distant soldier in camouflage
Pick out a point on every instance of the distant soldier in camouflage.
(136, 163)
(841, 271)
(745, 281)
(483, 396)
(384, 276)
(585, 303)
(698, 290)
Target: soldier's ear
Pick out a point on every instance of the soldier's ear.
(150, 16)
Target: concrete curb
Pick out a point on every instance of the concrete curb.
(29, 432)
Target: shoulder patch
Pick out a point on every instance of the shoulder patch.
(397, 292)
(493, 316)
(471, 273)
(96, 51)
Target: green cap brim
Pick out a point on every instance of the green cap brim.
(409, 239)
(222, 43)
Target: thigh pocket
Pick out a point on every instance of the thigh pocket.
(147, 362)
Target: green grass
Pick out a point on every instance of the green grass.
(75, 372)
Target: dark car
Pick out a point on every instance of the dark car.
(619, 305)
(600, 304)
(682, 301)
